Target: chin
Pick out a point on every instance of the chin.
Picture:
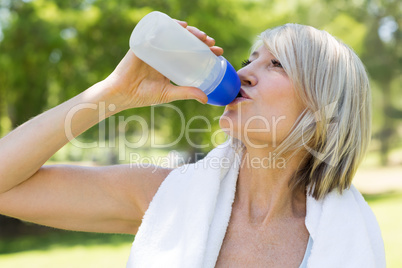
(229, 124)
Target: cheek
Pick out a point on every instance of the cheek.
(279, 100)
(265, 128)
(281, 109)
(268, 119)
(281, 117)
(253, 127)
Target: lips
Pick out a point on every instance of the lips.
(242, 94)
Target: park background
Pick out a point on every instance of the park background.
(52, 50)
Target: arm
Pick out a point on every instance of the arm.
(78, 198)
(101, 199)
(109, 199)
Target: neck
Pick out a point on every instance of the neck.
(263, 186)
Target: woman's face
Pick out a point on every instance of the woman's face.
(269, 106)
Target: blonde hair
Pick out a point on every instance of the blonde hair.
(335, 127)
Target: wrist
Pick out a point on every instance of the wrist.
(103, 92)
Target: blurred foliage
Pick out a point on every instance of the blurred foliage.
(51, 50)
(57, 248)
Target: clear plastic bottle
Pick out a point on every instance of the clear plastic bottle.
(162, 43)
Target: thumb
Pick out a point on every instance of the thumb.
(186, 93)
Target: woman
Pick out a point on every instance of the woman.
(309, 92)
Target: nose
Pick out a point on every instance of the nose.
(247, 77)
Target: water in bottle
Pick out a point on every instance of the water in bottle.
(169, 48)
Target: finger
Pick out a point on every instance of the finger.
(199, 34)
(218, 51)
(182, 23)
(186, 93)
(209, 41)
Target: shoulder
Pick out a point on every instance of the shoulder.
(343, 226)
(139, 182)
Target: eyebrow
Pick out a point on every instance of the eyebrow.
(255, 53)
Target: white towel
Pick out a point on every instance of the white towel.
(187, 219)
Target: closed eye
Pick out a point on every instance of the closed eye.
(245, 63)
(276, 63)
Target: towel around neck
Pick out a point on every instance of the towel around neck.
(187, 219)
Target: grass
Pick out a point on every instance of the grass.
(73, 249)
(66, 249)
(388, 210)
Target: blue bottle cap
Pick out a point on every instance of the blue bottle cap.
(227, 89)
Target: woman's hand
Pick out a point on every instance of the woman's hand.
(69, 197)
(135, 84)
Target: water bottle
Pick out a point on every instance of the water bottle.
(173, 51)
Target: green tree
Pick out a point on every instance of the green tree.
(52, 50)
(382, 54)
